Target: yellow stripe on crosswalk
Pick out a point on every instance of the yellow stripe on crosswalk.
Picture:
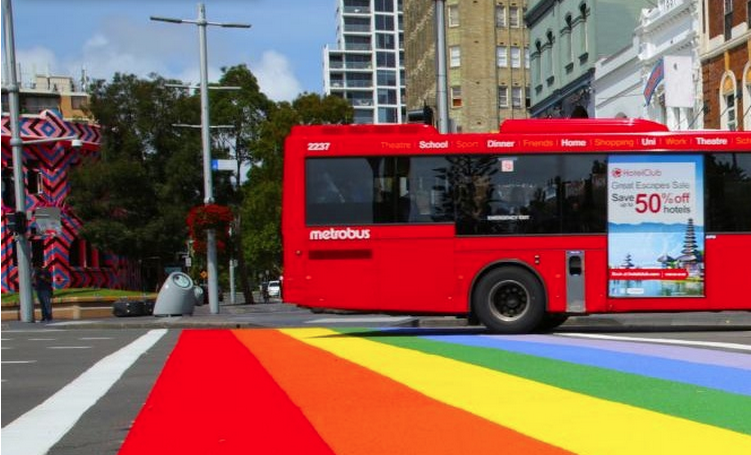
(573, 421)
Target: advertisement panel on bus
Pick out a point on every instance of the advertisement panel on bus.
(656, 225)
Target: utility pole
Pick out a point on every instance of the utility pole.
(26, 304)
(442, 103)
(202, 23)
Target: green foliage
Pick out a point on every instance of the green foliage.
(135, 199)
(261, 210)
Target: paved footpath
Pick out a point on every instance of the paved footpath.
(425, 391)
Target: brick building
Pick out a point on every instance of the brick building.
(487, 58)
(726, 73)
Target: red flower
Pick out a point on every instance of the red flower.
(210, 216)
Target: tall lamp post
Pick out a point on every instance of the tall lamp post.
(208, 198)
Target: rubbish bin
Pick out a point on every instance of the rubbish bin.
(176, 297)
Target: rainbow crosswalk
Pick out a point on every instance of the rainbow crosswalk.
(309, 391)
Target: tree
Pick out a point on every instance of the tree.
(133, 200)
(261, 210)
(245, 109)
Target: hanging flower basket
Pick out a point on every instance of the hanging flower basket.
(210, 216)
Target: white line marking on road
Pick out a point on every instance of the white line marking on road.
(42, 339)
(357, 320)
(35, 432)
(69, 347)
(17, 361)
(95, 338)
(704, 344)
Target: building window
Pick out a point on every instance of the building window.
(383, 60)
(728, 19)
(513, 17)
(527, 100)
(568, 40)
(537, 72)
(387, 115)
(455, 56)
(384, 6)
(34, 183)
(516, 97)
(731, 121)
(728, 103)
(526, 57)
(386, 96)
(385, 41)
(502, 96)
(384, 22)
(501, 54)
(453, 13)
(78, 102)
(584, 11)
(456, 96)
(386, 77)
(500, 16)
(549, 71)
(516, 57)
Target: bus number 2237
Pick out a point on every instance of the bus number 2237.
(317, 146)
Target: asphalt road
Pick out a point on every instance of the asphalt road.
(39, 362)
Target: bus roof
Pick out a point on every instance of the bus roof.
(517, 126)
(590, 125)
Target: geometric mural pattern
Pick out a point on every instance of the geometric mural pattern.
(52, 162)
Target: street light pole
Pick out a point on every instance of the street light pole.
(208, 198)
(440, 59)
(26, 303)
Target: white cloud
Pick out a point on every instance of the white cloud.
(37, 60)
(275, 77)
(121, 44)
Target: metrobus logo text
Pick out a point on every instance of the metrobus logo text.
(340, 234)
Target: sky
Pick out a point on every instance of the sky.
(283, 48)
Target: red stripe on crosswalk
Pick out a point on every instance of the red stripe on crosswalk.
(214, 397)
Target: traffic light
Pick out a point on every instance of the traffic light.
(17, 222)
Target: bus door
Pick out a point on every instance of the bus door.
(416, 268)
(416, 252)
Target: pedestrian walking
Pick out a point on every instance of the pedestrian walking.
(43, 288)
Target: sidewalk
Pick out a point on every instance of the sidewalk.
(241, 316)
(229, 316)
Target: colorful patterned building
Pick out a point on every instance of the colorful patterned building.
(73, 262)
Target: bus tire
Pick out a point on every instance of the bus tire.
(509, 300)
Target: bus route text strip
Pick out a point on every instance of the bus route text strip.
(655, 226)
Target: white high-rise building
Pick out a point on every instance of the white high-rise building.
(367, 66)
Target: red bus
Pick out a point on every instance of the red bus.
(517, 229)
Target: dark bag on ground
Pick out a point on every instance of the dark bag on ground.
(127, 308)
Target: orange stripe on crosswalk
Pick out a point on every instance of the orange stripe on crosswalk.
(359, 412)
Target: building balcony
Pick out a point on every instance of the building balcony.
(356, 10)
(358, 47)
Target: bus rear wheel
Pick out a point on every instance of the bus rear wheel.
(509, 300)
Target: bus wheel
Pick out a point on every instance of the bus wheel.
(509, 300)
